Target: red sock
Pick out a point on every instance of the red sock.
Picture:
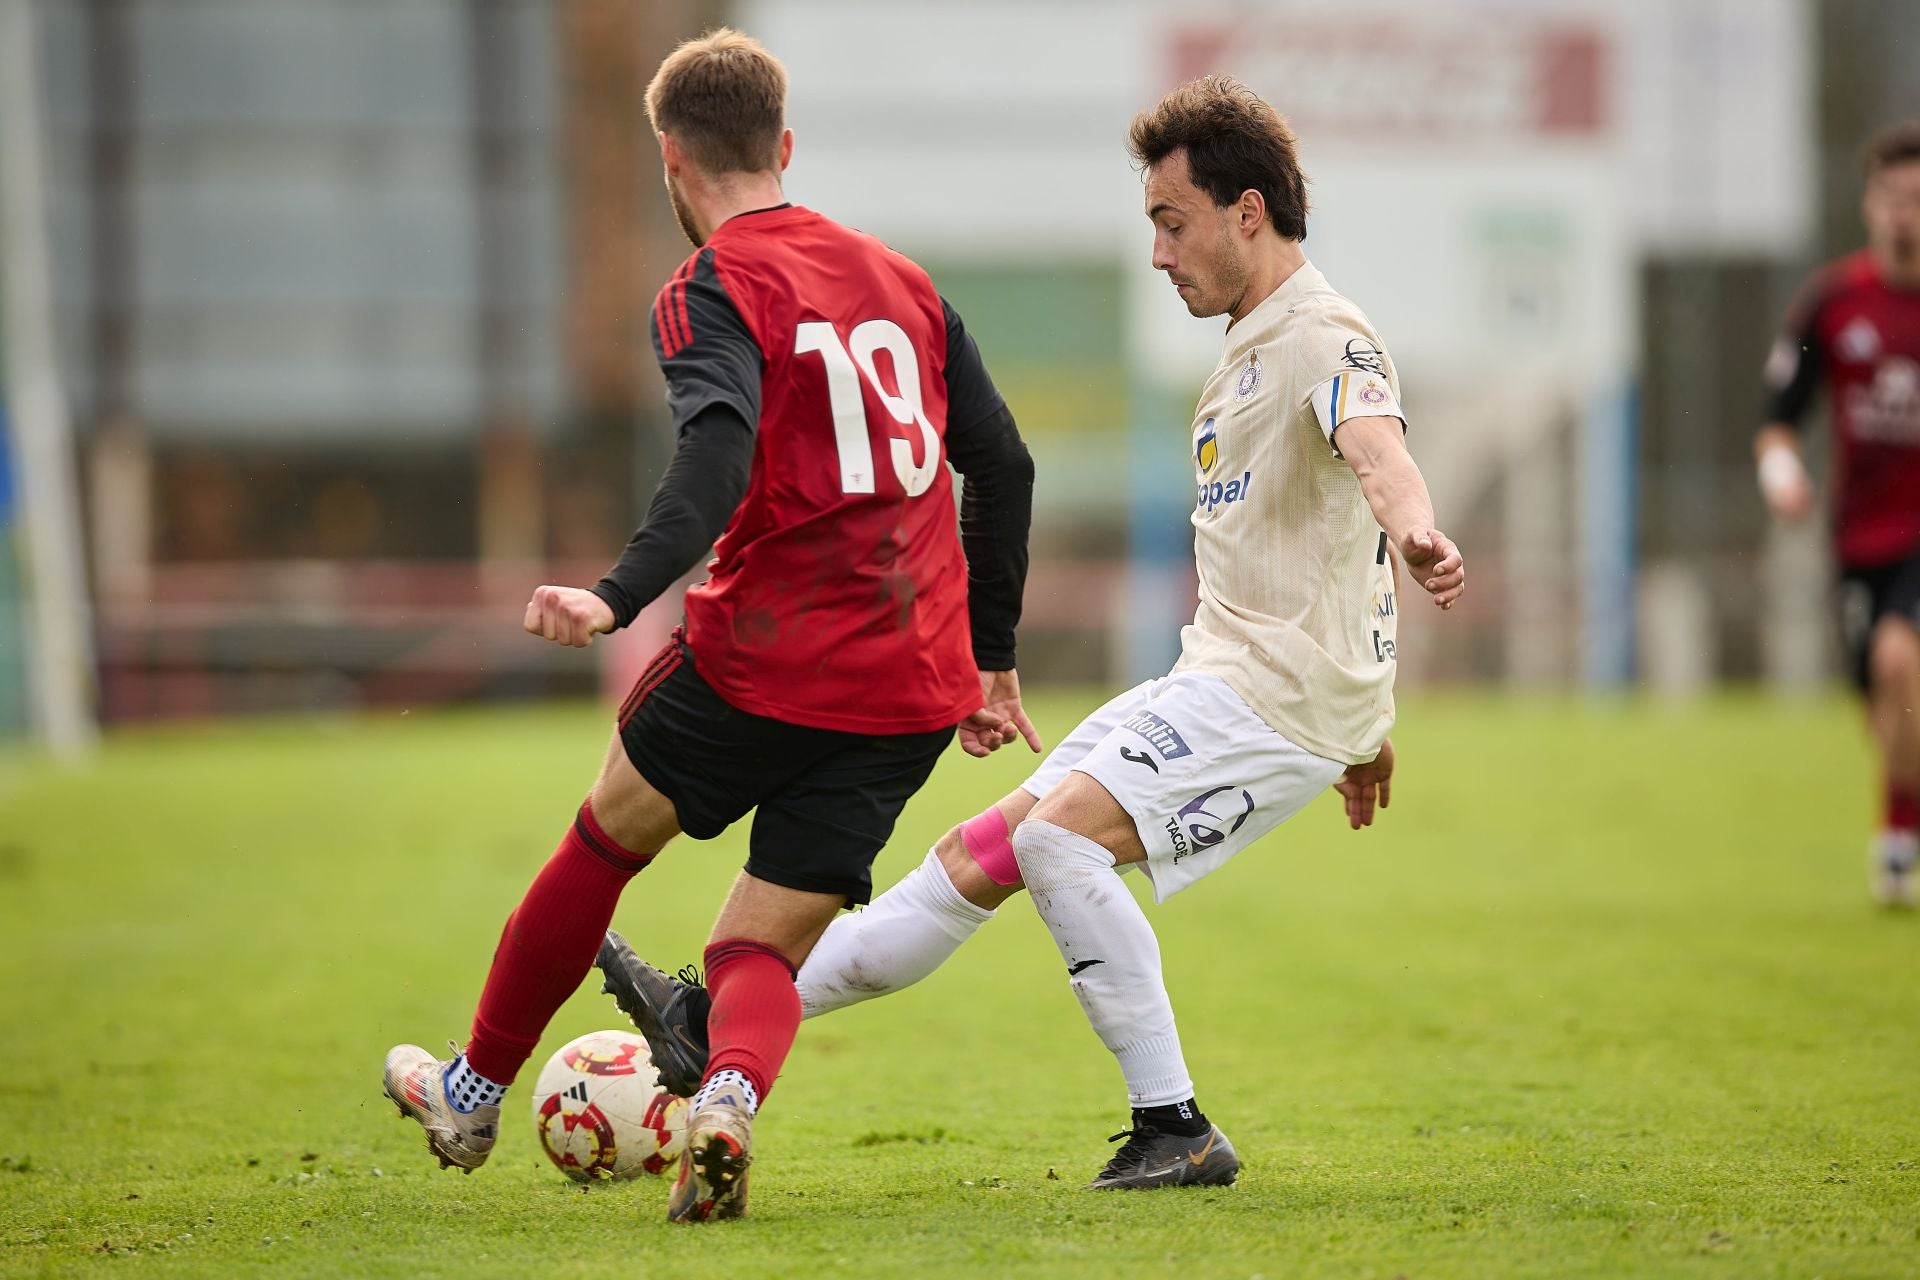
(548, 946)
(1903, 808)
(756, 1011)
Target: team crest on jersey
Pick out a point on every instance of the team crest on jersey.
(1206, 448)
(1373, 394)
(1249, 379)
(1859, 341)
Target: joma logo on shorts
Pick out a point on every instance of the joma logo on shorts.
(1163, 737)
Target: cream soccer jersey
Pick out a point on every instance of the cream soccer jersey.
(1297, 610)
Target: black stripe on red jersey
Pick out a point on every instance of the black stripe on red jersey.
(706, 351)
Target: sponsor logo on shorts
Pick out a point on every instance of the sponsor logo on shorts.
(1160, 735)
(1209, 818)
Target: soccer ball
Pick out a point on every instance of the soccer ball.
(599, 1113)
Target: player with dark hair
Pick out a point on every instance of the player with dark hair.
(819, 387)
(1305, 494)
(1856, 327)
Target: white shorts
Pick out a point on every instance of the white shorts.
(1201, 775)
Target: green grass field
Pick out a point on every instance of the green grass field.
(1601, 996)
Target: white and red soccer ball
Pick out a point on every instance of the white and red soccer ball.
(599, 1113)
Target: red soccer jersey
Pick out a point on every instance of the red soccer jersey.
(838, 592)
(1862, 336)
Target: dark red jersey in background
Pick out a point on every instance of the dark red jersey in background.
(838, 594)
(1862, 337)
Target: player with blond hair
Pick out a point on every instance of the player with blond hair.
(820, 387)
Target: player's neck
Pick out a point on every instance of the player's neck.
(715, 202)
(1905, 278)
(1272, 267)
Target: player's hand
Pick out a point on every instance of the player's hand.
(1435, 564)
(1000, 719)
(1785, 484)
(567, 615)
(1362, 784)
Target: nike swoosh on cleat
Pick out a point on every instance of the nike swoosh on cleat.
(1167, 1172)
(1084, 964)
(1201, 1158)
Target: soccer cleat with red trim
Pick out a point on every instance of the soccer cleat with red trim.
(713, 1169)
(416, 1081)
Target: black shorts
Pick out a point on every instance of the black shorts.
(1867, 596)
(827, 799)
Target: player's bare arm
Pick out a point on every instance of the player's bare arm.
(1397, 493)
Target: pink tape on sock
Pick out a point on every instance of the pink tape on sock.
(991, 845)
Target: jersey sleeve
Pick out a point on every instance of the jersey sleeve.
(1350, 373)
(704, 483)
(1792, 372)
(971, 395)
(706, 351)
(996, 498)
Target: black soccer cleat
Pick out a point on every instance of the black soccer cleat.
(670, 1012)
(1155, 1158)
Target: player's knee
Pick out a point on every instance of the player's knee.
(978, 857)
(1051, 857)
(1893, 656)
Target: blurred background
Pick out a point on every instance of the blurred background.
(325, 320)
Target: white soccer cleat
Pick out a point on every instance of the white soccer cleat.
(416, 1081)
(1893, 856)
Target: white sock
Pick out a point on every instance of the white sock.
(727, 1079)
(894, 941)
(1113, 958)
(467, 1088)
(1899, 850)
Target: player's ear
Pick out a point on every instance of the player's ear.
(786, 149)
(1251, 211)
(671, 155)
